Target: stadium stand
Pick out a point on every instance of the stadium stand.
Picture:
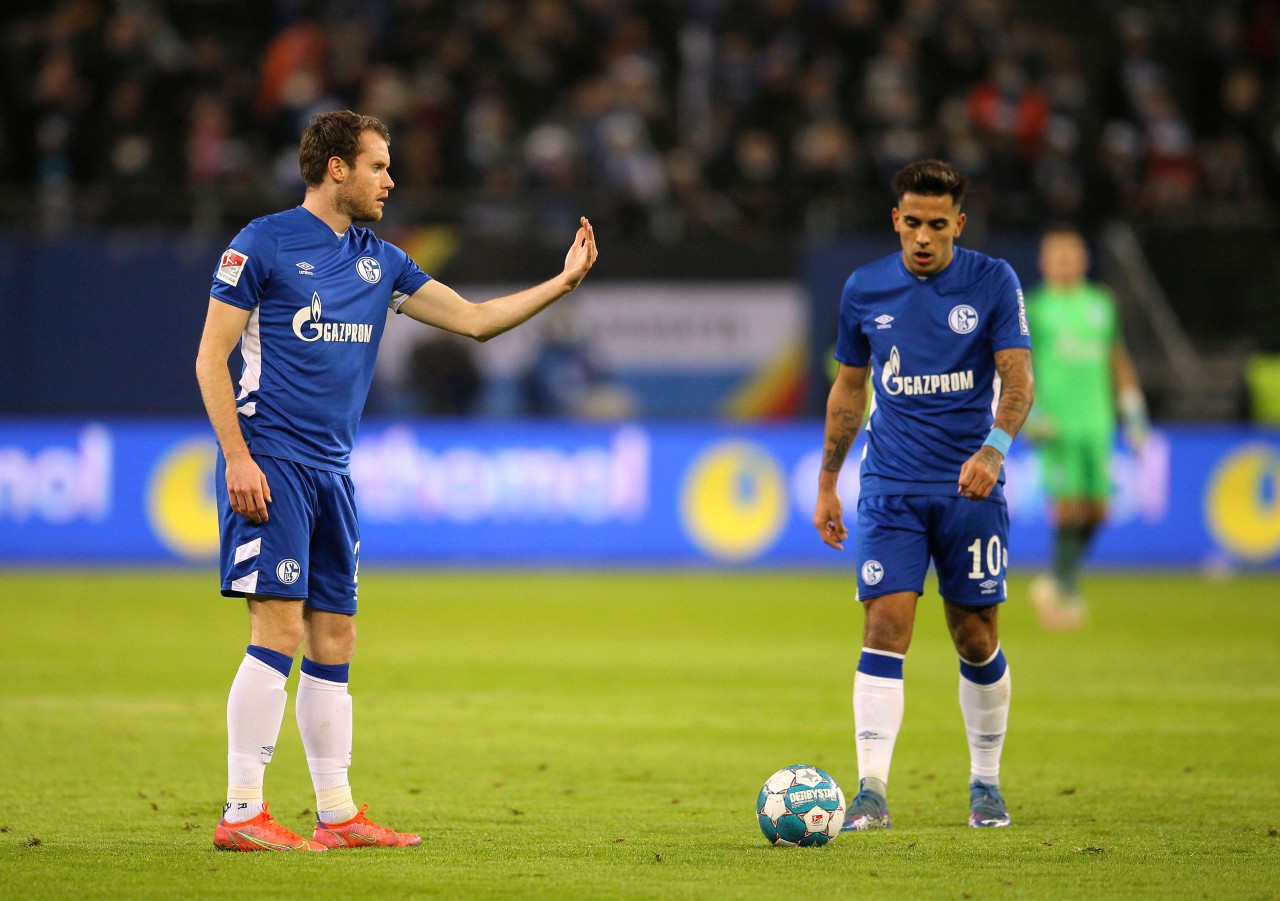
(736, 125)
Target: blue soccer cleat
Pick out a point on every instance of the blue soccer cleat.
(986, 806)
(868, 810)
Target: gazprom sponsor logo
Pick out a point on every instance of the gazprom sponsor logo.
(308, 326)
(60, 483)
(894, 382)
(399, 480)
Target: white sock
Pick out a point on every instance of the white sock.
(985, 708)
(878, 704)
(324, 719)
(255, 710)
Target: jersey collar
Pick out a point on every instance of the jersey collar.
(319, 223)
(943, 282)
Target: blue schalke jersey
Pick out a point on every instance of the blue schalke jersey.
(930, 343)
(318, 305)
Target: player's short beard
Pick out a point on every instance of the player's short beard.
(354, 210)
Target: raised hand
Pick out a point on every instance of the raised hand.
(581, 256)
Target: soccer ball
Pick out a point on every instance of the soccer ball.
(801, 805)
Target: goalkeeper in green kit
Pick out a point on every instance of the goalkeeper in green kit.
(1084, 378)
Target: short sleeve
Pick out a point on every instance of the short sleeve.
(245, 266)
(852, 346)
(1009, 328)
(409, 278)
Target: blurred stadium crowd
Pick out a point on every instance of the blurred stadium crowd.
(672, 119)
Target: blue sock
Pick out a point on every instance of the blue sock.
(281, 663)
(884, 664)
(986, 673)
(329, 672)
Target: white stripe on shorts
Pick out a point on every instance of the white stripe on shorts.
(248, 549)
(248, 584)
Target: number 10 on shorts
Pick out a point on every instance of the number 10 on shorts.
(997, 558)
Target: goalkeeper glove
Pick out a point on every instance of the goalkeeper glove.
(1133, 417)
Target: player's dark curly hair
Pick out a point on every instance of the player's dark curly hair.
(334, 134)
(931, 178)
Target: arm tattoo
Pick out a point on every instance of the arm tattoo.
(1016, 391)
(842, 427)
(991, 456)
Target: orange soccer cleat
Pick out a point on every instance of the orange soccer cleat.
(359, 832)
(261, 833)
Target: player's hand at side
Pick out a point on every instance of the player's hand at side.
(828, 519)
(581, 256)
(980, 473)
(247, 489)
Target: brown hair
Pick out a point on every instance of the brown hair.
(334, 134)
(931, 178)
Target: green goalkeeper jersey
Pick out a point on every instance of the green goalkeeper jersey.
(1072, 333)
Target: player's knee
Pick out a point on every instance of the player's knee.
(276, 624)
(975, 644)
(973, 633)
(283, 637)
(887, 634)
(331, 639)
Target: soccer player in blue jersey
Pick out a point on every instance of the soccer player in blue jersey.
(305, 294)
(932, 326)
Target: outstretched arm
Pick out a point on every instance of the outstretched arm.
(981, 471)
(845, 406)
(441, 306)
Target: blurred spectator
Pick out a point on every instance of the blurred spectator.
(752, 176)
(566, 380)
(1010, 109)
(443, 376)
(667, 119)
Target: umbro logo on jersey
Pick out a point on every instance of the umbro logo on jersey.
(305, 268)
(988, 586)
(885, 321)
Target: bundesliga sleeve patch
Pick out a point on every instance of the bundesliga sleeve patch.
(231, 267)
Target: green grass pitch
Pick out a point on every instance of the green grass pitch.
(604, 735)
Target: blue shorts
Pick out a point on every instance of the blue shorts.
(967, 540)
(308, 548)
